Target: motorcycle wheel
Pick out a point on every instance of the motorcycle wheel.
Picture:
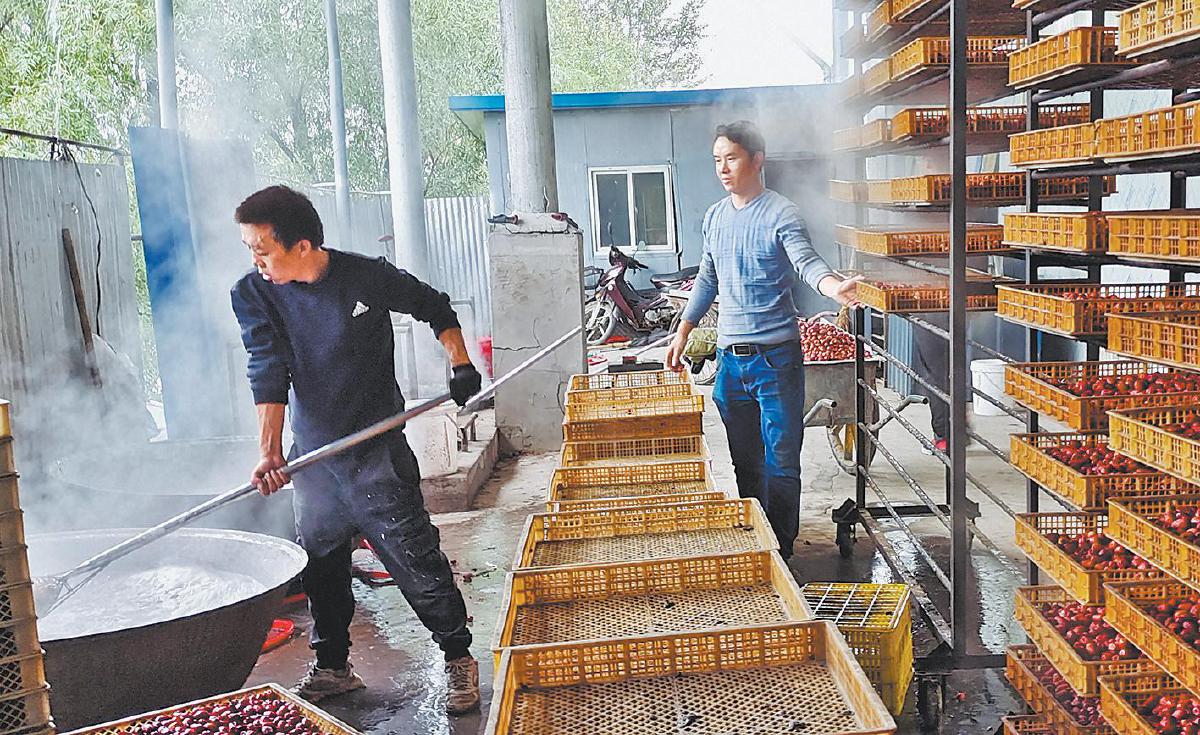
(601, 323)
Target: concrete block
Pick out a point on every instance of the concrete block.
(537, 296)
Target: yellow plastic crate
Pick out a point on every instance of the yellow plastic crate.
(1000, 189)
(646, 597)
(876, 621)
(1026, 725)
(1170, 339)
(323, 721)
(933, 123)
(1129, 523)
(875, 133)
(1023, 667)
(637, 419)
(1121, 696)
(1082, 675)
(902, 9)
(879, 192)
(1074, 232)
(1081, 309)
(634, 393)
(1066, 52)
(935, 52)
(1167, 131)
(625, 380)
(852, 192)
(1032, 384)
(668, 531)
(1171, 235)
(877, 77)
(1157, 25)
(785, 677)
(1127, 612)
(1027, 453)
(627, 451)
(981, 238)
(1053, 146)
(1085, 585)
(878, 19)
(1141, 433)
(602, 482)
(847, 139)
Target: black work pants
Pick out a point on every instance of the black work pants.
(931, 360)
(375, 492)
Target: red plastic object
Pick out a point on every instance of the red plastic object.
(485, 347)
(282, 631)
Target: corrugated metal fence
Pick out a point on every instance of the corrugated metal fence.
(40, 338)
(456, 229)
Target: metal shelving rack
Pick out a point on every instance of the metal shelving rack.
(956, 512)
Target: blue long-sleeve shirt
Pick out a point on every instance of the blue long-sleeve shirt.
(329, 344)
(752, 258)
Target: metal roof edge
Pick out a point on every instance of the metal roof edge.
(591, 100)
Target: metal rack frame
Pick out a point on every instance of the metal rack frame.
(958, 511)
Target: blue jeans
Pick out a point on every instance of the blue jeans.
(761, 400)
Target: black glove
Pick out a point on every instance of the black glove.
(464, 383)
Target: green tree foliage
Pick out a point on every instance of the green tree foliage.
(84, 69)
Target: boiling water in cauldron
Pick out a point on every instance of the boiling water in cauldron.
(129, 599)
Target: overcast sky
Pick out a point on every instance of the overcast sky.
(754, 42)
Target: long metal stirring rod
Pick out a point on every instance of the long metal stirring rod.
(99, 561)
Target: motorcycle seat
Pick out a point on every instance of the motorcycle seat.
(682, 275)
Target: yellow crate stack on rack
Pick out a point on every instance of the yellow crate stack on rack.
(1166, 131)
(1083, 49)
(24, 694)
(1158, 26)
(1154, 235)
(1074, 232)
(1066, 144)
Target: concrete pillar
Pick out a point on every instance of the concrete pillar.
(337, 119)
(528, 118)
(168, 97)
(405, 166)
(537, 297)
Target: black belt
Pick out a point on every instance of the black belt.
(748, 349)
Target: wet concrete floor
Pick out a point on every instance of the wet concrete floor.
(403, 668)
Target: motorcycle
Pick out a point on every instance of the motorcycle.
(621, 310)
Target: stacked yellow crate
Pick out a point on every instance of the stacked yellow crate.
(641, 575)
(24, 695)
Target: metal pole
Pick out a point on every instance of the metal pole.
(405, 166)
(528, 118)
(861, 418)
(1032, 122)
(168, 97)
(337, 120)
(959, 540)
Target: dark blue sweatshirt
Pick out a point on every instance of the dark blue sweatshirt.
(330, 343)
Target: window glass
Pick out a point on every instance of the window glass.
(650, 209)
(612, 203)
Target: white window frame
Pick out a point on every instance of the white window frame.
(672, 246)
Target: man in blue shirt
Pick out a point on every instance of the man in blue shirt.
(756, 248)
(316, 324)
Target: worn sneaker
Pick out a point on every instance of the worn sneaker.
(320, 683)
(462, 690)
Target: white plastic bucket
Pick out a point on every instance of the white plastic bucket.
(988, 377)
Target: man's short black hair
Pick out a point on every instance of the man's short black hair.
(744, 133)
(290, 214)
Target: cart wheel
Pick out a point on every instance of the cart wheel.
(845, 540)
(929, 703)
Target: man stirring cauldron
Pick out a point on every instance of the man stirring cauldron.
(316, 324)
(756, 248)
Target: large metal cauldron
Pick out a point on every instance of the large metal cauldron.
(105, 676)
(144, 484)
